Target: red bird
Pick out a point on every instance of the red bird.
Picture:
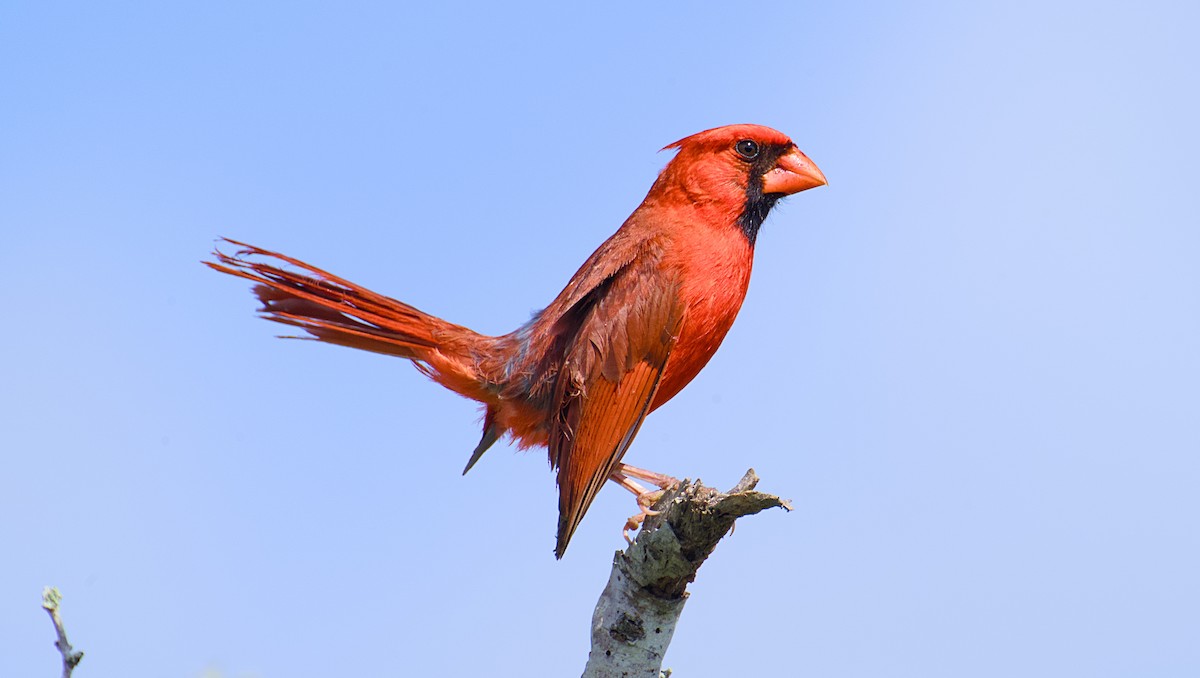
(633, 326)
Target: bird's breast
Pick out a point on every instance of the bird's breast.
(714, 274)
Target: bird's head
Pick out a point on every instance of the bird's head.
(744, 168)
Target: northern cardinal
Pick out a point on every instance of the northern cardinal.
(633, 326)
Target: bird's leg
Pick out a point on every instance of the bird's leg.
(645, 497)
(659, 479)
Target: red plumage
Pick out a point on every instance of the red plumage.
(634, 325)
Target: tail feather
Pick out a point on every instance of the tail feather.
(336, 311)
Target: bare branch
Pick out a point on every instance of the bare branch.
(637, 612)
(51, 598)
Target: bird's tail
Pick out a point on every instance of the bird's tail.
(337, 311)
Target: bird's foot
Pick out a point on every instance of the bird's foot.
(644, 500)
(645, 497)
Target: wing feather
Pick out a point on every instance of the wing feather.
(607, 380)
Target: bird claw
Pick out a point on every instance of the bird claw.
(644, 501)
(635, 522)
(645, 498)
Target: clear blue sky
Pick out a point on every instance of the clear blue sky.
(972, 361)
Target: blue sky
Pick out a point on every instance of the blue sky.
(970, 361)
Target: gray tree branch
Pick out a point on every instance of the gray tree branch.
(51, 598)
(636, 615)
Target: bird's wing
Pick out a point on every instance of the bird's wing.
(624, 331)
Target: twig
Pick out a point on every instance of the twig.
(70, 656)
(637, 612)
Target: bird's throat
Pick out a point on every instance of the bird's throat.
(754, 213)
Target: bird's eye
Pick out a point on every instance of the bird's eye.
(747, 149)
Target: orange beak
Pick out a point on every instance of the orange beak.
(793, 173)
